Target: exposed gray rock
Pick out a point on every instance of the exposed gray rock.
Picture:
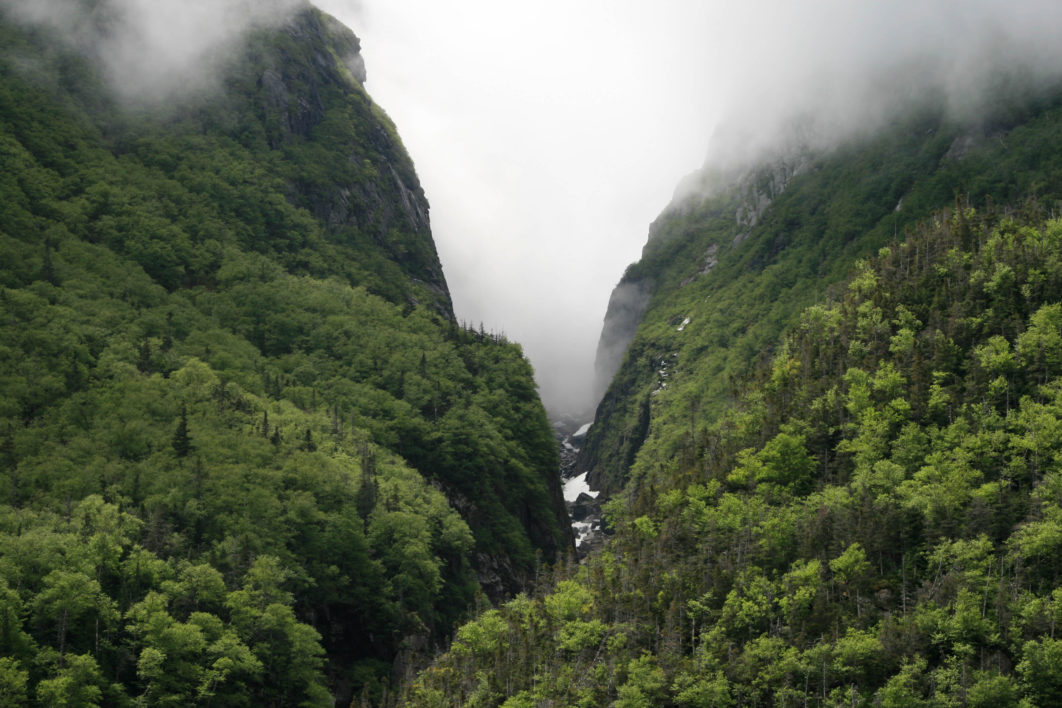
(963, 144)
(355, 63)
(711, 259)
(759, 187)
(625, 309)
(583, 507)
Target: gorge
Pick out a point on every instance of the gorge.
(251, 453)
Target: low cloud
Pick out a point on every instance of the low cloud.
(152, 51)
(549, 135)
(853, 67)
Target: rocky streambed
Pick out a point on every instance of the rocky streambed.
(584, 509)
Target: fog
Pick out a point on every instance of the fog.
(154, 51)
(548, 135)
(832, 69)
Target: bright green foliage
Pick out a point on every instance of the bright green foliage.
(483, 637)
(76, 684)
(851, 565)
(1041, 670)
(13, 680)
(644, 686)
(569, 601)
(868, 525)
(246, 455)
(785, 464)
(827, 210)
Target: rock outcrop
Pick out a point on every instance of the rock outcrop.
(626, 306)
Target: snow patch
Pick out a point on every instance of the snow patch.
(582, 530)
(576, 486)
(582, 431)
(684, 323)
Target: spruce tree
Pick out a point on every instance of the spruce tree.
(365, 498)
(8, 457)
(47, 269)
(9, 460)
(182, 443)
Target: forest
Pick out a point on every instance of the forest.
(779, 235)
(247, 455)
(830, 452)
(875, 520)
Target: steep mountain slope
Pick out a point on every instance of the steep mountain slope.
(247, 457)
(874, 521)
(742, 255)
(833, 462)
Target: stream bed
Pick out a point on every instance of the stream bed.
(584, 510)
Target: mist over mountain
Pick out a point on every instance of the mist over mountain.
(250, 455)
(824, 453)
(152, 52)
(797, 96)
(820, 74)
(247, 455)
(549, 136)
(828, 378)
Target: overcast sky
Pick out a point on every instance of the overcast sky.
(549, 134)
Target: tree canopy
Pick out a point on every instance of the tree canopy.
(246, 455)
(874, 521)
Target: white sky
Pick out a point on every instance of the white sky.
(547, 136)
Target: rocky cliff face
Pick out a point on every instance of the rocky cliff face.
(735, 203)
(734, 256)
(308, 88)
(752, 191)
(626, 306)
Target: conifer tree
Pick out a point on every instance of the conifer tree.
(7, 450)
(307, 442)
(365, 499)
(182, 443)
(47, 269)
(143, 362)
(9, 460)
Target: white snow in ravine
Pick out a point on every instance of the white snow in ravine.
(581, 529)
(582, 431)
(576, 486)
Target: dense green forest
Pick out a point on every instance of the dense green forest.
(247, 456)
(876, 519)
(773, 240)
(831, 448)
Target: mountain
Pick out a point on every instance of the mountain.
(740, 253)
(248, 456)
(831, 446)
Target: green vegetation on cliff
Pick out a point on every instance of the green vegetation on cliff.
(246, 456)
(876, 520)
(774, 239)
